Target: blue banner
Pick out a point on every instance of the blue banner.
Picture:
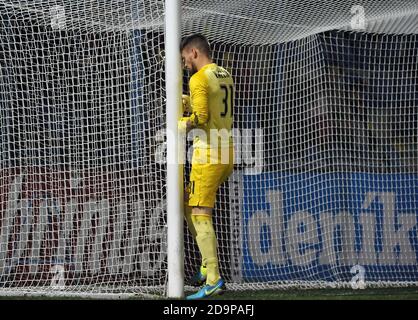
(317, 226)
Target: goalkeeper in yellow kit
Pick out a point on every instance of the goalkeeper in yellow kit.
(211, 108)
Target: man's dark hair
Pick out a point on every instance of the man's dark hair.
(198, 41)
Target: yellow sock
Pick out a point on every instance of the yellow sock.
(190, 225)
(188, 216)
(206, 240)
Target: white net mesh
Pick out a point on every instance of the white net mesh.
(325, 186)
(81, 104)
(327, 154)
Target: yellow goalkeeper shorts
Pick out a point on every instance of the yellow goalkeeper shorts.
(206, 176)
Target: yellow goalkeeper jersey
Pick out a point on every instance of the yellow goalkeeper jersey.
(212, 102)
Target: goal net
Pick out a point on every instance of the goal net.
(325, 187)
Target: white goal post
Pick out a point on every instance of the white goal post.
(175, 247)
(325, 187)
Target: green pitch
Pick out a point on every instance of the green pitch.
(325, 294)
(313, 294)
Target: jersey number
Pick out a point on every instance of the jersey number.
(228, 99)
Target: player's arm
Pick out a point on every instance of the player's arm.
(199, 90)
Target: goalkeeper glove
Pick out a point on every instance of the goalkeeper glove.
(184, 124)
(186, 104)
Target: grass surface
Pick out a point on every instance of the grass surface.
(326, 294)
(312, 294)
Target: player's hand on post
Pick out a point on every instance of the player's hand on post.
(184, 125)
